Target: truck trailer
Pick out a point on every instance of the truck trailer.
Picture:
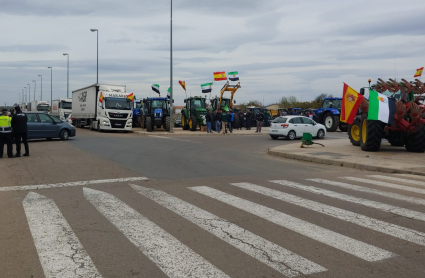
(61, 108)
(38, 105)
(103, 107)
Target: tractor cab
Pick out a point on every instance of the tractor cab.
(332, 103)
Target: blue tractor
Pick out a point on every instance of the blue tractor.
(136, 113)
(329, 114)
(155, 112)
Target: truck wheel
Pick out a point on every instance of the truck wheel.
(193, 123)
(149, 124)
(343, 127)
(184, 123)
(167, 123)
(331, 122)
(354, 132)
(91, 126)
(415, 142)
(98, 127)
(370, 134)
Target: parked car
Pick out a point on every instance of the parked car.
(292, 127)
(42, 125)
(178, 121)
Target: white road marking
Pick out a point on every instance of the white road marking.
(411, 176)
(67, 184)
(387, 184)
(282, 260)
(61, 253)
(391, 178)
(349, 216)
(175, 139)
(351, 246)
(391, 195)
(173, 257)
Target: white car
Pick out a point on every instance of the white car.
(292, 127)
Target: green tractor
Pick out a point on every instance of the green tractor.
(193, 115)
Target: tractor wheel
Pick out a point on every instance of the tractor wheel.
(193, 123)
(139, 123)
(235, 123)
(142, 122)
(343, 127)
(184, 123)
(354, 132)
(331, 122)
(415, 142)
(370, 134)
(395, 138)
(149, 124)
(167, 123)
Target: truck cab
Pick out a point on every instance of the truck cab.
(62, 108)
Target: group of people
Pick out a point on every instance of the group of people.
(224, 120)
(13, 127)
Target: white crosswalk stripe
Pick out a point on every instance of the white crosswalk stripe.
(411, 176)
(284, 261)
(61, 253)
(387, 184)
(391, 178)
(390, 195)
(358, 219)
(351, 246)
(173, 257)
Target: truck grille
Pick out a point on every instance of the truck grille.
(118, 124)
(118, 115)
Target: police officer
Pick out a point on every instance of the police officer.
(6, 133)
(19, 125)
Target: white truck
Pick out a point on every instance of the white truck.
(61, 108)
(102, 107)
(38, 105)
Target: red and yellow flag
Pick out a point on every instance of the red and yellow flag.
(101, 97)
(183, 84)
(131, 97)
(351, 101)
(419, 72)
(220, 76)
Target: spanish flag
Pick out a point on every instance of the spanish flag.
(220, 76)
(101, 97)
(131, 97)
(419, 72)
(350, 104)
(183, 84)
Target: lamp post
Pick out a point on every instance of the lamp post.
(97, 47)
(35, 86)
(171, 68)
(22, 98)
(67, 76)
(29, 92)
(26, 99)
(51, 84)
(41, 96)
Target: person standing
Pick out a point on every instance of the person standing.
(266, 118)
(217, 121)
(248, 119)
(6, 134)
(240, 115)
(208, 119)
(224, 120)
(19, 126)
(259, 118)
(231, 120)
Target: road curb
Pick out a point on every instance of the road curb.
(195, 133)
(334, 162)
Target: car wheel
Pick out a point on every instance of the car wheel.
(274, 137)
(291, 135)
(320, 134)
(64, 135)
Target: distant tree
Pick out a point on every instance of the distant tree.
(321, 97)
(286, 102)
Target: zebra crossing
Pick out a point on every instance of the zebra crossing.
(61, 254)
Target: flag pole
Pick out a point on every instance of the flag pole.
(171, 69)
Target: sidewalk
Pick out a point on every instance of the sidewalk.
(178, 131)
(342, 153)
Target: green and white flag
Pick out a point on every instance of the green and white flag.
(155, 88)
(381, 108)
(206, 88)
(233, 76)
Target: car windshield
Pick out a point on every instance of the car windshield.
(117, 103)
(43, 107)
(159, 103)
(332, 103)
(280, 120)
(198, 103)
(66, 105)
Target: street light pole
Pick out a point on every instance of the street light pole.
(35, 86)
(41, 96)
(97, 46)
(51, 84)
(67, 76)
(171, 69)
(26, 99)
(29, 92)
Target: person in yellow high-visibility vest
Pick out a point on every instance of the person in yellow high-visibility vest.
(6, 134)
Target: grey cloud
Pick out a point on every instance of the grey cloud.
(32, 48)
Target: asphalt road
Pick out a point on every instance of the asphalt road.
(210, 207)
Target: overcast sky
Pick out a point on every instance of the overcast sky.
(280, 48)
